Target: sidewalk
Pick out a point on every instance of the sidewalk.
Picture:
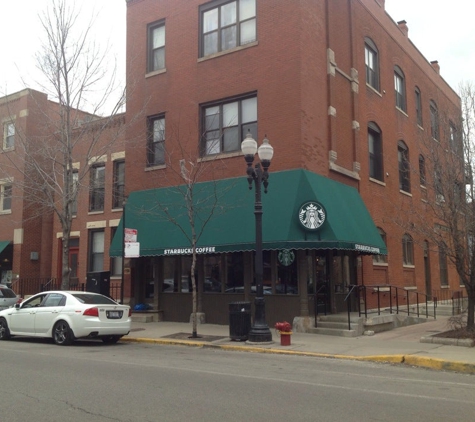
(401, 345)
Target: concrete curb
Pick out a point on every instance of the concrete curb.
(419, 361)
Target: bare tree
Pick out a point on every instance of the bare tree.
(56, 165)
(445, 172)
(191, 205)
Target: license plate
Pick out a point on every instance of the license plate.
(114, 314)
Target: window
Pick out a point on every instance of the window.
(74, 205)
(453, 138)
(422, 170)
(407, 250)
(227, 24)
(118, 188)
(96, 250)
(381, 259)
(418, 106)
(156, 47)
(116, 262)
(438, 186)
(434, 120)
(156, 141)
(8, 135)
(375, 152)
(400, 89)
(226, 124)
(404, 170)
(6, 197)
(444, 274)
(372, 65)
(96, 198)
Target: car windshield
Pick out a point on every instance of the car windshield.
(91, 299)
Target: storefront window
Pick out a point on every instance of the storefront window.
(287, 279)
(169, 285)
(186, 284)
(234, 273)
(213, 280)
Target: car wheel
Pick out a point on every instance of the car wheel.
(4, 331)
(111, 339)
(62, 334)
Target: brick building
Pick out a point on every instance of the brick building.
(345, 99)
(30, 233)
(26, 235)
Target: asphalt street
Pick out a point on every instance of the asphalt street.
(153, 382)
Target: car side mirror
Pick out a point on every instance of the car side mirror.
(17, 305)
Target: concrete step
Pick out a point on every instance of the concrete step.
(142, 318)
(343, 318)
(336, 325)
(334, 332)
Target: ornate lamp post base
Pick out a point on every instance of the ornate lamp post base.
(260, 332)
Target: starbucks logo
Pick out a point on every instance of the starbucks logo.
(286, 257)
(312, 215)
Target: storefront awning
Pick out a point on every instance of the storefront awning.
(225, 222)
(3, 244)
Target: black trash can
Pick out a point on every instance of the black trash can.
(239, 320)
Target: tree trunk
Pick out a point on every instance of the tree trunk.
(194, 290)
(471, 309)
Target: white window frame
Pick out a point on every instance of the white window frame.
(3, 185)
(6, 135)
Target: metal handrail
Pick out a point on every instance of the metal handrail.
(397, 292)
(348, 303)
(325, 299)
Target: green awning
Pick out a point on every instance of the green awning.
(225, 222)
(3, 244)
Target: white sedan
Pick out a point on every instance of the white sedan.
(66, 316)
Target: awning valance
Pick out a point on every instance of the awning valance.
(224, 217)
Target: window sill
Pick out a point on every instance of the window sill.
(8, 149)
(409, 266)
(116, 210)
(95, 212)
(5, 212)
(380, 264)
(405, 193)
(220, 156)
(445, 287)
(155, 72)
(374, 90)
(420, 127)
(410, 288)
(230, 51)
(378, 182)
(402, 111)
(159, 167)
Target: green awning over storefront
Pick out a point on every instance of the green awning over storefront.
(225, 222)
(3, 244)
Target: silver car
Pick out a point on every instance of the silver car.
(8, 298)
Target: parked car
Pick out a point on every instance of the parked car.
(8, 297)
(65, 316)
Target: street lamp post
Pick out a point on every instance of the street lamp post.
(258, 174)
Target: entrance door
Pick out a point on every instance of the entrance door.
(343, 276)
(73, 265)
(322, 290)
(427, 270)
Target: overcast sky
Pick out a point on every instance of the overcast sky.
(441, 30)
